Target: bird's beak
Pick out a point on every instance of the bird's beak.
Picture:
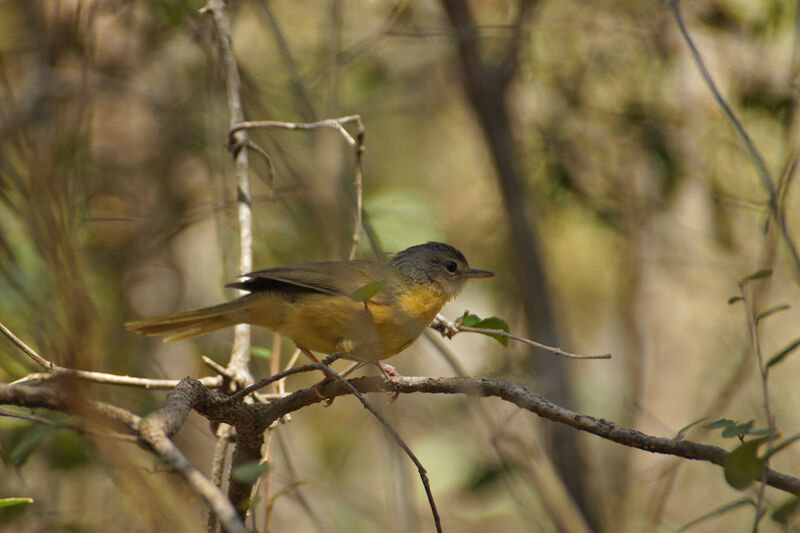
(475, 273)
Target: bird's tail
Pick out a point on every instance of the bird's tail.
(190, 324)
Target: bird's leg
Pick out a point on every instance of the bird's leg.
(388, 370)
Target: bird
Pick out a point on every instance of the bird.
(362, 310)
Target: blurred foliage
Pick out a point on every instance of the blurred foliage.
(117, 201)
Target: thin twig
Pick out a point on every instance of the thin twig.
(763, 373)
(55, 371)
(82, 430)
(239, 142)
(450, 329)
(336, 124)
(761, 166)
(423, 474)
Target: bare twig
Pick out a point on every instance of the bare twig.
(83, 430)
(239, 142)
(450, 329)
(55, 371)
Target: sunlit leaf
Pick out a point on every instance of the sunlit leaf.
(261, 351)
(468, 320)
(778, 357)
(249, 472)
(366, 292)
(494, 322)
(743, 466)
(10, 502)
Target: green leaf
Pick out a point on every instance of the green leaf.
(737, 430)
(734, 299)
(249, 472)
(721, 423)
(771, 311)
(717, 512)
(468, 320)
(67, 450)
(494, 322)
(742, 466)
(786, 510)
(10, 502)
(366, 292)
(761, 274)
(261, 351)
(27, 441)
(778, 357)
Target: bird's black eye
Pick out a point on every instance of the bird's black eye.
(451, 267)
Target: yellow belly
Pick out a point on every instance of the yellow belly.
(330, 324)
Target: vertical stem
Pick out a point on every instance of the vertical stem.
(240, 354)
(763, 372)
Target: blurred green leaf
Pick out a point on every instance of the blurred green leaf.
(761, 274)
(249, 472)
(261, 351)
(772, 310)
(778, 357)
(734, 299)
(366, 292)
(738, 430)
(717, 512)
(721, 423)
(10, 502)
(786, 510)
(67, 450)
(27, 440)
(743, 466)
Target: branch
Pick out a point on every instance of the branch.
(264, 415)
(451, 329)
(336, 124)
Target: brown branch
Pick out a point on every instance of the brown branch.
(156, 430)
(251, 420)
(264, 415)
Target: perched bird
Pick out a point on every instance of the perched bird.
(316, 304)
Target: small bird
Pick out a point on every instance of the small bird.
(315, 304)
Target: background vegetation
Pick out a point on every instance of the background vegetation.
(116, 202)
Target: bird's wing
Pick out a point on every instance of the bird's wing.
(340, 278)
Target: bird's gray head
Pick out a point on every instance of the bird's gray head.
(437, 264)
